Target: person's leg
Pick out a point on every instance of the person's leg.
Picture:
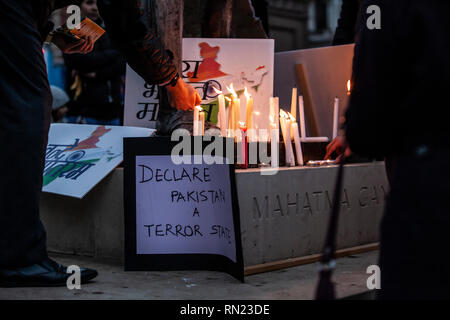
(25, 113)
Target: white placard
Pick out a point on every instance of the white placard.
(80, 156)
(207, 63)
(183, 209)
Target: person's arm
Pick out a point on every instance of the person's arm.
(144, 51)
(369, 118)
(140, 46)
(347, 23)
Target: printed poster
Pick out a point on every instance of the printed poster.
(80, 156)
(209, 64)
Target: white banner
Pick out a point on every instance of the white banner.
(208, 63)
(80, 156)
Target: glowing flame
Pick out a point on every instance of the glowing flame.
(349, 87)
(231, 89)
(247, 95)
(217, 90)
(283, 114)
(228, 99)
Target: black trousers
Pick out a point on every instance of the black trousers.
(25, 111)
(415, 231)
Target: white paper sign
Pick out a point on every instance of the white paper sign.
(209, 63)
(80, 156)
(183, 209)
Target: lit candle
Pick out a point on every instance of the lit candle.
(298, 146)
(244, 143)
(202, 123)
(286, 130)
(335, 117)
(290, 160)
(349, 87)
(230, 131)
(196, 124)
(221, 115)
(235, 111)
(302, 116)
(249, 115)
(283, 124)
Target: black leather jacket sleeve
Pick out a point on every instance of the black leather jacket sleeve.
(140, 46)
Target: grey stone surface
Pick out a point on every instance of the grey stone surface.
(289, 284)
(282, 216)
(286, 215)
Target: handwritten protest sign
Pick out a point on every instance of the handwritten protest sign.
(209, 63)
(181, 216)
(80, 156)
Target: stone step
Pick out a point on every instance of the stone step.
(283, 216)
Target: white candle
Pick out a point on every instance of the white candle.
(274, 140)
(202, 123)
(301, 104)
(290, 160)
(298, 146)
(283, 125)
(196, 124)
(222, 116)
(237, 115)
(249, 117)
(335, 118)
(315, 139)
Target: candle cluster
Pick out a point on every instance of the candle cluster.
(232, 125)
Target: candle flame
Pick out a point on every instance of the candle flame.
(283, 114)
(349, 86)
(217, 90)
(247, 95)
(231, 89)
(228, 99)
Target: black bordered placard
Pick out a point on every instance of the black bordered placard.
(162, 146)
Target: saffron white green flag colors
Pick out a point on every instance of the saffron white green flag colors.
(78, 156)
(209, 63)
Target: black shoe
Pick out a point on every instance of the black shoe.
(47, 273)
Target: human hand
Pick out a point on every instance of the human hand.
(72, 44)
(340, 147)
(183, 96)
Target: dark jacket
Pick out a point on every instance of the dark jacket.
(348, 22)
(141, 48)
(100, 95)
(401, 79)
